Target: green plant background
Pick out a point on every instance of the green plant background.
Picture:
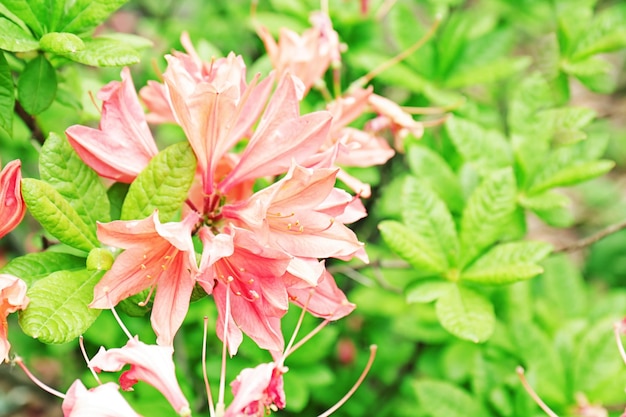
(461, 289)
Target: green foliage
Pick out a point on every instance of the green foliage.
(162, 185)
(7, 97)
(58, 311)
(34, 266)
(37, 86)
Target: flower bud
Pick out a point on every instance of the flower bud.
(12, 207)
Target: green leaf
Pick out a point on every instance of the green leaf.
(37, 85)
(598, 371)
(56, 215)
(409, 247)
(433, 170)
(85, 15)
(163, 185)
(443, 399)
(23, 9)
(427, 290)
(544, 201)
(570, 175)
(61, 167)
(7, 97)
(507, 263)
(61, 42)
(587, 67)
(103, 52)
(58, 311)
(540, 359)
(488, 72)
(485, 149)
(34, 266)
(116, 194)
(487, 214)
(429, 219)
(133, 41)
(14, 39)
(606, 33)
(466, 314)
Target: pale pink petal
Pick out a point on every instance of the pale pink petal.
(12, 298)
(257, 391)
(157, 255)
(12, 207)
(152, 364)
(323, 300)
(123, 145)
(102, 401)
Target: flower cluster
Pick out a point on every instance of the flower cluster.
(261, 247)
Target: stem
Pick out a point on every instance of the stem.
(346, 397)
(31, 123)
(588, 241)
(533, 394)
(364, 80)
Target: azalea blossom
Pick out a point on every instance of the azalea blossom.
(246, 275)
(257, 391)
(12, 298)
(123, 145)
(391, 116)
(102, 401)
(157, 256)
(291, 214)
(12, 207)
(149, 363)
(307, 56)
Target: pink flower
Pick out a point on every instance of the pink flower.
(12, 207)
(391, 116)
(294, 215)
(152, 364)
(257, 391)
(215, 109)
(123, 145)
(12, 298)
(281, 137)
(308, 56)
(102, 401)
(323, 300)
(236, 266)
(156, 255)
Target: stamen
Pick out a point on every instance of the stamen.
(346, 397)
(37, 382)
(280, 215)
(297, 329)
(220, 401)
(204, 372)
(307, 337)
(84, 352)
(94, 102)
(533, 394)
(117, 318)
(147, 300)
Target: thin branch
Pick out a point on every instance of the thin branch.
(31, 123)
(590, 240)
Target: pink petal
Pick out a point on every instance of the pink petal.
(12, 207)
(103, 401)
(152, 364)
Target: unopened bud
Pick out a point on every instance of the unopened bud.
(99, 259)
(12, 207)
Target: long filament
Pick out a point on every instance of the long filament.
(616, 329)
(37, 382)
(204, 372)
(533, 394)
(349, 394)
(84, 352)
